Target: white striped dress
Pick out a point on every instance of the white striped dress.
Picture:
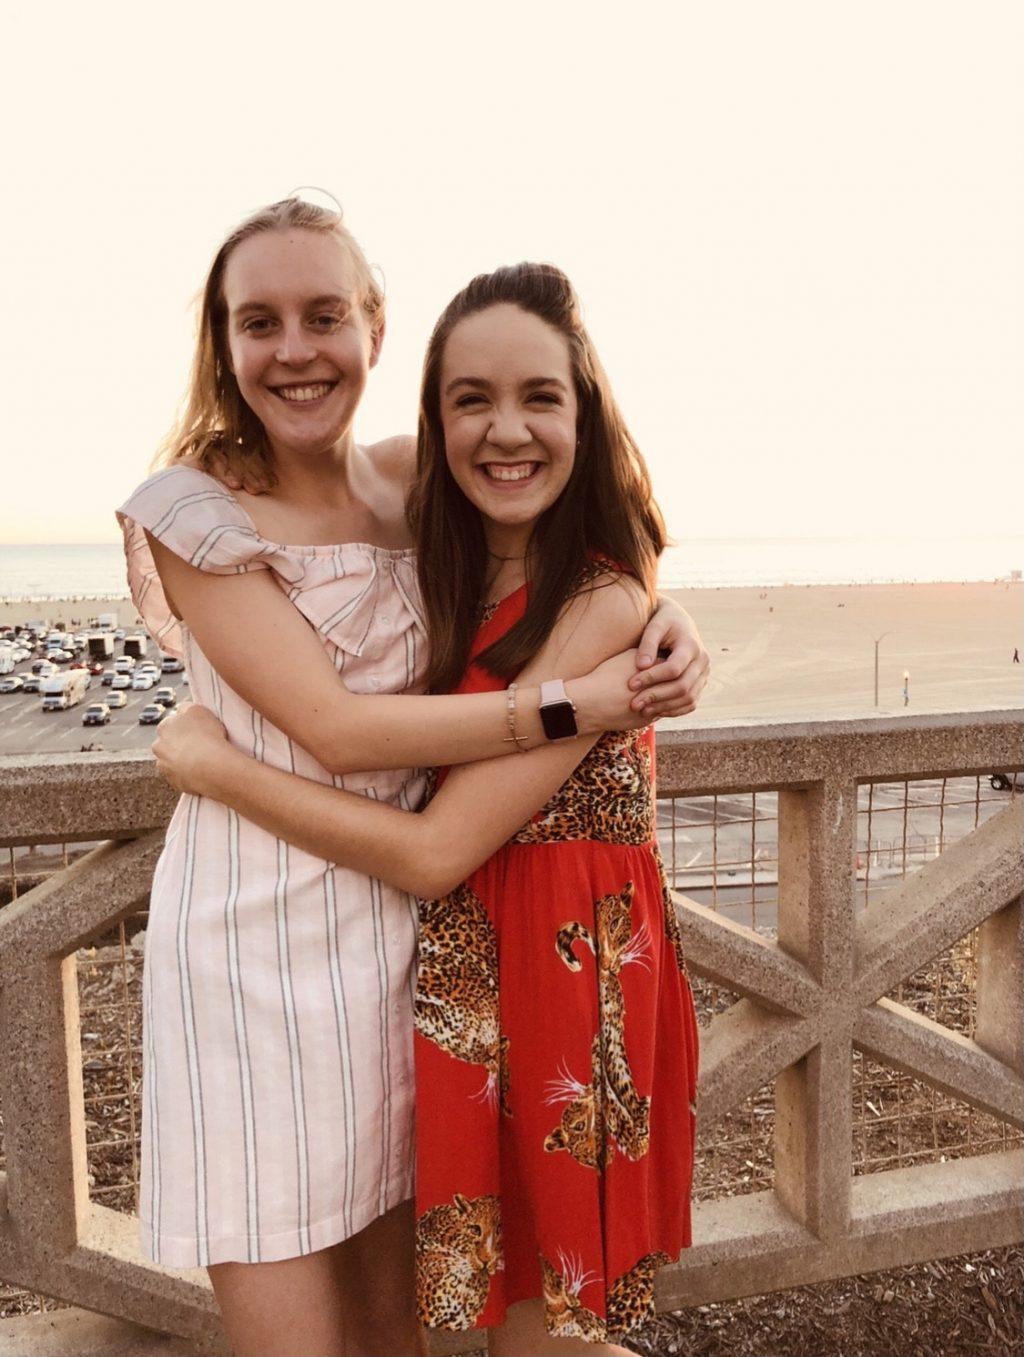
(277, 1070)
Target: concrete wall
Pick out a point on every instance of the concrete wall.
(808, 1000)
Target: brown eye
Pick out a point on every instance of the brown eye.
(476, 1231)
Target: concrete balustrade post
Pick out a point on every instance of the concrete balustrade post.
(41, 1093)
(999, 1026)
(814, 1118)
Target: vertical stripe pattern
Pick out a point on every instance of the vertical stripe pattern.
(277, 1101)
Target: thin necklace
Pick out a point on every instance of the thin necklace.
(495, 557)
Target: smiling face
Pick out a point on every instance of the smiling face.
(508, 410)
(299, 340)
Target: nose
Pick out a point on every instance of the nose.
(294, 347)
(508, 430)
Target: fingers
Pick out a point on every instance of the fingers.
(668, 670)
(675, 695)
(650, 643)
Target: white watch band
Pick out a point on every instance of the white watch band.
(553, 690)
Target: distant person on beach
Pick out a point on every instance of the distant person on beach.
(278, 1090)
(1016, 655)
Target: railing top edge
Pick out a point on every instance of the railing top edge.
(85, 759)
(670, 735)
(685, 730)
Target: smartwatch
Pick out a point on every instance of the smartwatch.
(557, 711)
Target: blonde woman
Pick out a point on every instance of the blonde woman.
(278, 1089)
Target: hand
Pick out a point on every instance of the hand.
(603, 700)
(188, 747)
(670, 687)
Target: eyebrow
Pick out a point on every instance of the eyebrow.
(328, 299)
(530, 384)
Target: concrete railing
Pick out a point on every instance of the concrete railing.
(809, 999)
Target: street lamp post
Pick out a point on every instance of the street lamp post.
(878, 641)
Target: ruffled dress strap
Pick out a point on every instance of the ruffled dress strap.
(199, 520)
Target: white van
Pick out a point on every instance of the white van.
(64, 690)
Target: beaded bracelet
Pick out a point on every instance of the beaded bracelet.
(510, 710)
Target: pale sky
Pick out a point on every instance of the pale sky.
(796, 229)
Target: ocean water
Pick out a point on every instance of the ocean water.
(96, 570)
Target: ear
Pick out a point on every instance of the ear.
(461, 1204)
(377, 342)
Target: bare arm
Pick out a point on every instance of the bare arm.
(479, 807)
(239, 619)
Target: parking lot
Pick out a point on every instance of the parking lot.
(26, 729)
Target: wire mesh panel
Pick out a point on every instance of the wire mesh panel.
(722, 851)
(110, 993)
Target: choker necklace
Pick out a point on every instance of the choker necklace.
(495, 557)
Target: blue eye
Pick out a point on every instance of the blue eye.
(257, 325)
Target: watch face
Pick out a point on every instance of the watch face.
(558, 720)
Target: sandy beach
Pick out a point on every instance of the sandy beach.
(809, 650)
(69, 611)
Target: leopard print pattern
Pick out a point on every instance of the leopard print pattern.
(673, 933)
(631, 1299)
(625, 1114)
(629, 1303)
(608, 797)
(565, 1315)
(456, 1004)
(458, 1251)
(580, 1130)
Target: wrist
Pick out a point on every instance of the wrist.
(216, 777)
(578, 694)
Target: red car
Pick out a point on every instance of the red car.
(95, 667)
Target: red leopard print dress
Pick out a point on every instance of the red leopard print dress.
(556, 1060)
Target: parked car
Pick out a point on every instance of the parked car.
(121, 681)
(12, 683)
(116, 700)
(96, 714)
(142, 683)
(152, 715)
(1006, 782)
(167, 697)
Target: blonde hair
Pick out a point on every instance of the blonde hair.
(216, 428)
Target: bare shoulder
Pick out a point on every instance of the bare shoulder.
(394, 458)
(610, 598)
(606, 615)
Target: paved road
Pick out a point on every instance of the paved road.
(26, 729)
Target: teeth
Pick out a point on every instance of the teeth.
(304, 393)
(509, 473)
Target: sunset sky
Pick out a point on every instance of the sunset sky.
(796, 229)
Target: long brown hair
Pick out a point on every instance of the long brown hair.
(606, 508)
(216, 427)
